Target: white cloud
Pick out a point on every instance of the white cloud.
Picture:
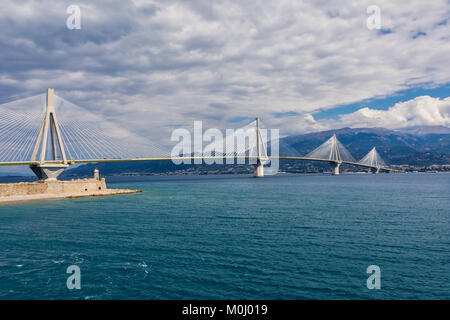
(154, 64)
(420, 111)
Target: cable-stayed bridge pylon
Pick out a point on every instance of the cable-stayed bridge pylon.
(374, 160)
(333, 151)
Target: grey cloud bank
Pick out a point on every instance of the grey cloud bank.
(172, 62)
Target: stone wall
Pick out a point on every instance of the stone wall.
(88, 186)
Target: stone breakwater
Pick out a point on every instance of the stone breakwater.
(46, 190)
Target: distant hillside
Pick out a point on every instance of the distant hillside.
(423, 130)
(417, 146)
(414, 147)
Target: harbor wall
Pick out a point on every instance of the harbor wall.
(80, 186)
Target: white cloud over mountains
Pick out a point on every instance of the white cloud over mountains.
(156, 65)
(420, 111)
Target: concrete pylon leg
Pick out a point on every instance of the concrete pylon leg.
(375, 170)
(48, 172)
(258, 170)
(335, 168)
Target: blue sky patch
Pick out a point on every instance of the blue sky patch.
(383, 103)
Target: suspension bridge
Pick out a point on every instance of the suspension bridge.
(48, 134)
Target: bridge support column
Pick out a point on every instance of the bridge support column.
(48, 172)
(258, 170)
(335, 168)
(258, 167)
(375, 170)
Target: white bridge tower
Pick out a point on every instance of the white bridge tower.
(258, 167)
(49, 170)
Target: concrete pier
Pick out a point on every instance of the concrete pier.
(335, 168)
(48, 172)
(375, 170)
(258, 170)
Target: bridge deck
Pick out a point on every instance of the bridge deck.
(192, 158)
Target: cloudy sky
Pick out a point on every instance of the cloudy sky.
(302, 66)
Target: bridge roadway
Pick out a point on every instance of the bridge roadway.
(196, 157)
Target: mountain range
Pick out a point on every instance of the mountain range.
(419, 146)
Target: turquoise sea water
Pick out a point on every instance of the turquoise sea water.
(235, 237)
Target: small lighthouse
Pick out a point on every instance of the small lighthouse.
(96, 174)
